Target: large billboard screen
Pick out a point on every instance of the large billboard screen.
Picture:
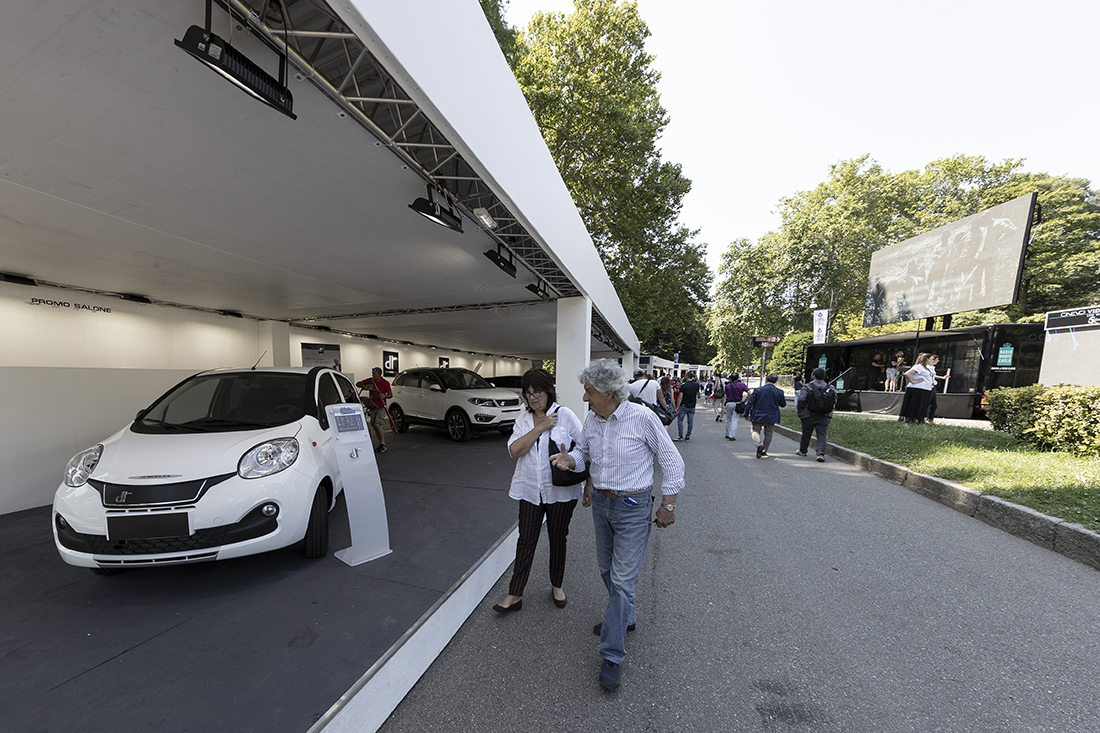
(967, 265)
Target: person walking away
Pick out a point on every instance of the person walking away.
(763, 407)
(815, 403)
(664, 394)
(685, 406)
(538, 432)
(644, 387)
(735, 395)
(378, 391)
(921, 378)
(622, 439)
(718, 398)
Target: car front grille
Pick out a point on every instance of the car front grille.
(124, 496)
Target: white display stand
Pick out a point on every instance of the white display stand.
(367, 519)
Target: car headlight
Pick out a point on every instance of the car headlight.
(268, 458)
(483, 402)
(81, 466)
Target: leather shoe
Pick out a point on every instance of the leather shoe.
(561, 603)
(598, 627)
(609, 675)
(509, 609)
(759, 451)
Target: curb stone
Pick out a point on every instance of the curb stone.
(1072, 540)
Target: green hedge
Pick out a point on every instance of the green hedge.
(1063, 418)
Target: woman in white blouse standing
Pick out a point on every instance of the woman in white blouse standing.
(539, 432)
(921, 378)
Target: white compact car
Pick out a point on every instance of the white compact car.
(227, 463)
(456, 399)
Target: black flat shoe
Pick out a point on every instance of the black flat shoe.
(508, 609)
(599, 627)
(561, 603)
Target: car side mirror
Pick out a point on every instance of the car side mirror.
(436, 388)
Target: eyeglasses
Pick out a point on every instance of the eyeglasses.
(533, 394)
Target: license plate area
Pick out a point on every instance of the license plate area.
(148, 526)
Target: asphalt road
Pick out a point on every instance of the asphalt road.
(789, 596)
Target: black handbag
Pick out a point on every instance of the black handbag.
(660, 411)
(739, 408)
(562, 477)
(662, 414)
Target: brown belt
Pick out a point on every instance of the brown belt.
(613, 495)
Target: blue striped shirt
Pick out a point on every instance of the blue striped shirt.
(622, 448)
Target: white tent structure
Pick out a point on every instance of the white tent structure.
(156, 220)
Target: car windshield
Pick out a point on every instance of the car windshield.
(461, 379)
(214, 403)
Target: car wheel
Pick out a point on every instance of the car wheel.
(458, 426)
(317, 530)
(398, 417)
(505, 431)
(107, 571)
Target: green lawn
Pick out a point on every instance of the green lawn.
(985, 460)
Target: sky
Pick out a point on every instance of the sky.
(763, 97)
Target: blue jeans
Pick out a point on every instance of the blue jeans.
(622, 535)
(690, 412)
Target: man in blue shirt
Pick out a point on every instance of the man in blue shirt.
(763, 409)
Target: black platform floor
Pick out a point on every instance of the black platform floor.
(264, 643)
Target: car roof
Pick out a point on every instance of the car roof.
(268, 369)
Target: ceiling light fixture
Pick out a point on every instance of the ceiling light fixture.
(501, 261)
(431, 209)
(218, 55)
(538, 290)
(485, 218)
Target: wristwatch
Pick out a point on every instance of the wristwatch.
(668, 507)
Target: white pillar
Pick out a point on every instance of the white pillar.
(274, 338)
(574, 351)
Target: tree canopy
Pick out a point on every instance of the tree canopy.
(592, 88)
(822, 251)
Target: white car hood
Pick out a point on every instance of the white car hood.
(140, 458)
(490, 394)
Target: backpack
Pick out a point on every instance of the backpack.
(820, 401)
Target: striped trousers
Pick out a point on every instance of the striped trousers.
(557, 516)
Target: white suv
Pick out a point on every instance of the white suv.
(456, 399)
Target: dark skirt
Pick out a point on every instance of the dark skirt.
(914, 405)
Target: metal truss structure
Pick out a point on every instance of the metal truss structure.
(331, 57)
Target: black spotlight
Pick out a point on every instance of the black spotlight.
(498, 259)
(217, 54)
(431, 209)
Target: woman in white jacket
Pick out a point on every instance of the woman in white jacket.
(921, 378)
(539, 432)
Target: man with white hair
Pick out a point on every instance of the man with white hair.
(621, 439)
